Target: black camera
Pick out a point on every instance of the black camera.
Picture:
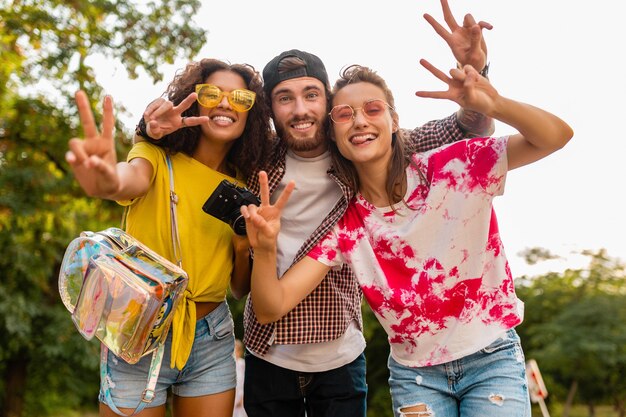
(225, 202)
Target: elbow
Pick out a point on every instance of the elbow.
(565, 134)
(556, 137)
(237, 293)
(264, 315)
(569, 135)
(266, 318)
(239, 289)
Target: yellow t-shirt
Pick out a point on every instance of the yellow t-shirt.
(205, 242)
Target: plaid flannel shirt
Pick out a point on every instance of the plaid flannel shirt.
(325, 314)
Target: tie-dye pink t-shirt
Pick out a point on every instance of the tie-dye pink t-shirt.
(434, 273)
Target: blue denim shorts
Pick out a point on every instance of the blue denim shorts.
(490, 382)
(210, 368)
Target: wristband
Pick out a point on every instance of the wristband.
(484, 72)
(141, 129)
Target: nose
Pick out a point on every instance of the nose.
(299, 108)
(224, 103)
(359, 118)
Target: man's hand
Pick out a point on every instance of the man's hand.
(466, 42)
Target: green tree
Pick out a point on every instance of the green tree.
(45, 49)
(376, 355)
(575, 327)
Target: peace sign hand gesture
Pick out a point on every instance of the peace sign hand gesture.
(466, 41)
(466, 87)
(263, 222)
(162, 117)
(93, 159)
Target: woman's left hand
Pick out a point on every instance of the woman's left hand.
(466, 87)
(162, 117)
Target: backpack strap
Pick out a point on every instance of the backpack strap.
(174, 219)
(148, 394)
(157, 356)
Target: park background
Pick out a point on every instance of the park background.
(561, 219)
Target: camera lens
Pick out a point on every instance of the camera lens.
(239, 225)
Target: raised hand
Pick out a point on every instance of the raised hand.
(162, 117)
(93, 159)
(466, 42)
(263, 222)
(466, 87)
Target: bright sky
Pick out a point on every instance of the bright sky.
(558, 55)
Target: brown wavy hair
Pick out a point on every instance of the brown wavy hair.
(250, 151)
(344, 169)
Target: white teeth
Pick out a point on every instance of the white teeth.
(223, 119)
(303, 125)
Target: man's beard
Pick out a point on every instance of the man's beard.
(302, 144)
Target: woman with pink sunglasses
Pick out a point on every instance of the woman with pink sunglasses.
(422, 238)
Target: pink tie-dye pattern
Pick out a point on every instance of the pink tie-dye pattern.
(428, 303)
(479, 158)
(421, 297)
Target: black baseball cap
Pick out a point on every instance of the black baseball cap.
(314, 68)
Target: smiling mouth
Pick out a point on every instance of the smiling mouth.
(222, 120)
(361, 139)
(301, 125)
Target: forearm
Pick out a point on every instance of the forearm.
(242, 270)
(474, 124)
(265, 288)
(133, 181)
(540, 132)
(434, 134)
(541, 129)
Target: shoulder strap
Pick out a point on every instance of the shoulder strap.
(174, 219)
(157, 357)
(147, 395)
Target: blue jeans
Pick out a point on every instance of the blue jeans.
(490, 382)
(272, 391)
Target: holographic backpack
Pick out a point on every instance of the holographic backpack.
(120, 291)
(125, 294)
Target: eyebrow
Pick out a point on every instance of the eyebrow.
(289, 90)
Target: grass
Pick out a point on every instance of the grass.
(577, 411)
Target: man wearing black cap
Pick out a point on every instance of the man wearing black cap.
(312, 359)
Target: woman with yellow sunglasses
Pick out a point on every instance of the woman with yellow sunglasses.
(214, 126)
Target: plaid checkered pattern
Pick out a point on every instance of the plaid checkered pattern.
(325, 314)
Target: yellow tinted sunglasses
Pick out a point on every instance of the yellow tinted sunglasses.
(209, 95)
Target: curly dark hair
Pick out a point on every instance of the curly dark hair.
(250, 151)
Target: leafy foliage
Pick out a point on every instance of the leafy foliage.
(45, 49)
(376, 354)
(575, 326)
